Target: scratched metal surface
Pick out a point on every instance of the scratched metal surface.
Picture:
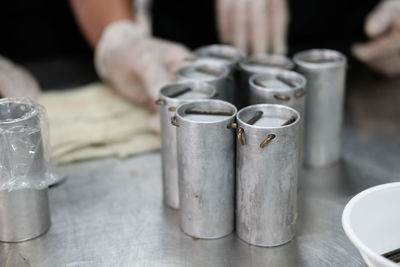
(109, 212)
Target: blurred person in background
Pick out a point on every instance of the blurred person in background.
(148, 45)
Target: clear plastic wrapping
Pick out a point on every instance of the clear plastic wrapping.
(24, 146)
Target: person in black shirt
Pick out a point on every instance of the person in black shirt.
(127, 53)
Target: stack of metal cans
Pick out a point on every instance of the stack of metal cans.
(222, 166)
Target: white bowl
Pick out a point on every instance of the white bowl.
(371, 221)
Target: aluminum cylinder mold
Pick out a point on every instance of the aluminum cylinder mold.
(325, 71)
(171, 96)
(257, 64)
(283, 87)
(211, 73)
(267, 164)
(24, 208)
(225, 55)
(24, 214)
(206, 165)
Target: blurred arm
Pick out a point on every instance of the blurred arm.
(94, 15)
(126, 56)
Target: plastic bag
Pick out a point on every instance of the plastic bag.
(24, 146)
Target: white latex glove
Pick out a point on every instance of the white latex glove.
(255, 26)
(16, 81)
(382, 53)
(136, 64)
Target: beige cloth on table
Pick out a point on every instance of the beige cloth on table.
(92, 122)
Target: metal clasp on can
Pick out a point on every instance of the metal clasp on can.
(267, 164)
(171, 96)
(206, 164)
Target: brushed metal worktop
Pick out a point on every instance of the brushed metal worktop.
(109, 212)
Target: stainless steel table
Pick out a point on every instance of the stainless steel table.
(109, 212)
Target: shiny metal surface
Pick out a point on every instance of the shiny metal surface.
(225, 55)
(257, 64)
(169, 100)
(24, 214)
(325, 71)
(206, 166)
(110, 212)
(267, 177)
(219, 77)
(295, 95)
(261, 62)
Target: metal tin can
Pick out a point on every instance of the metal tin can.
(206, 165)
(258, 64)
(220, 54)
(24, 214)
(214, 74)
(268, 159)
(225, 55)
(280, 87)
(325, 71)
(171, 96)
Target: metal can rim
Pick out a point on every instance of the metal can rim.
(224, 75)
(196, 84)
(228, 118)
(202, 52)
(293, 124)
(289, 64)
(301, 85)
(341, 60)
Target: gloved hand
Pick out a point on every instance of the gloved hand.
(16, 81)
(256, 26)
(136, 64)
(382, 53)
